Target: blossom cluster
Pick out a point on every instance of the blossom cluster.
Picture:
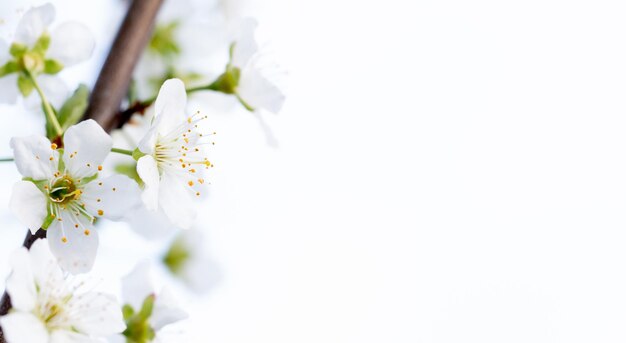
(150, 173)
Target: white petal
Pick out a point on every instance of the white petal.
(150, 224)
(101, 316)
(54, 88)
(21, 283)
(170, 104)
(175, 201)
(78, 253)
(28, 204)
(138, 285)
(245, 44)
(71, 43)
(201, 274)
(147, 145)
(20, 327)
(149, 174)
(5, 56)
(8, 89)
(34, 157)
(86, 147)
(43, 264)
(258, 92)
(34, 23)
(66, 336)
(166, 310)
(111, 197)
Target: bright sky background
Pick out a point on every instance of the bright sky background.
(447, 171)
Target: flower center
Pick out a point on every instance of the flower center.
(63, 190)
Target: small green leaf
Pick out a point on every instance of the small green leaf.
(74, 107)
(17, 49)
(25, 85)
(52, 66)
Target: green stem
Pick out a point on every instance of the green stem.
(7, 159)
(122, 151)
(47, 108)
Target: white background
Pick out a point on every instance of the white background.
(448, 171)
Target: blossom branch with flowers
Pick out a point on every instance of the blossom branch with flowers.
(68, 187)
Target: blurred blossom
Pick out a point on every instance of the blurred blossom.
(48, 307)
(188, 260)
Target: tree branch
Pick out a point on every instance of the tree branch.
(111, 86)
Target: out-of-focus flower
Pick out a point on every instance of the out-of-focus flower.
(146, 310)
(245, 77)
(47, 307)
(173, 157)
(61, 191)
(188, 260)
(37, 53)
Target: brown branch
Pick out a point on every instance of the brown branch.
(111, 86)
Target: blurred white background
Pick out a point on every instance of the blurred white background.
(447, 171)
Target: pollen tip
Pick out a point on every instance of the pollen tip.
(87, 232)
(54, 146)
(100, 212)
(99, 168)
(64, 239)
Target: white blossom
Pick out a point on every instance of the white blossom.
(174, 157)
(62, 191)
(188, 260)
(42, 53)
(48, 307)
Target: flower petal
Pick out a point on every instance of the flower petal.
(150, 224)
(21, 283)
(28, 204)
(259, 92)
(175, 201)
(111, 197)
(86, 147)
(66, 336)
(71, 43)
(34, 22)
(245, 44)
(149, 174)
(21, 327)
(170, 104)
(166, 310)
(10, 92)
(43, 264)
(102, 315)
(137, 285)
(73, 241)
(34, 157)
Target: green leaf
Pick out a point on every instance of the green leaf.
(52, 66)
(17, 49)
(74, 107)
(25, 85)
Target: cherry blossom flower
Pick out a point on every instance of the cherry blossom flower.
(37, 52)
(147, 311)
(173, 157)
(187, 259)
(246, 77)
(61, 191)
(48, 307)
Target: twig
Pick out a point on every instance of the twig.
(108, 93)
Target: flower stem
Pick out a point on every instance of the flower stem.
(122, 151)
(47, 108)
(7, 159)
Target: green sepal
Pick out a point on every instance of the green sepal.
(8, 68)
(163, 41)
(52, 66)
(137, 154)
(130, 170)
(25, 85)
(42, 44)
(176, 256)
(17, 49)
(127, 311)
(138, 329)
(74, 107)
